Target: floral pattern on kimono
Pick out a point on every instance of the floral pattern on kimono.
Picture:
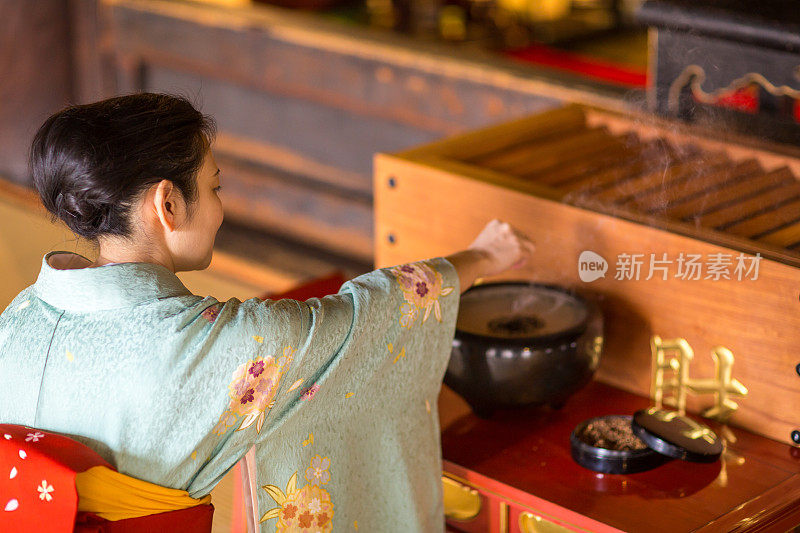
(310, 392)
(252, 391)
(422, 287)
(307, 509)
(211, 313)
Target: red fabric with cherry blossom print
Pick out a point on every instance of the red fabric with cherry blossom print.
(37, 480)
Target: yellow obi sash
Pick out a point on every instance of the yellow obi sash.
(115, 496)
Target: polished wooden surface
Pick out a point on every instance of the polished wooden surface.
(524, 456)
(430, 209)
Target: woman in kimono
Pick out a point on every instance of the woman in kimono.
(338, 394)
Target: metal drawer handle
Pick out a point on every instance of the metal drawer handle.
(460, 501)
(531, 523)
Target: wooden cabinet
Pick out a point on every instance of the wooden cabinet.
(434, 199)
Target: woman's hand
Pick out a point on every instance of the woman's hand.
(497, 248)
(504, 246)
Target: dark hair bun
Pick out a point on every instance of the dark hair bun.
(90, 163)
(85, 216)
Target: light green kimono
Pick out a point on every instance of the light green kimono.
(338, 394)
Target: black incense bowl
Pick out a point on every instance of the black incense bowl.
(520, 343)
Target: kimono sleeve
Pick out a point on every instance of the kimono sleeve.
(354, 340)
(320, 364)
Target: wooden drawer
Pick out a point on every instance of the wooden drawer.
(500, 508)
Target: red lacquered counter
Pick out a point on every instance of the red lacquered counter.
(519, 464)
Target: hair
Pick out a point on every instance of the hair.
(91, 163)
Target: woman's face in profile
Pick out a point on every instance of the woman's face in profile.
(199, 232)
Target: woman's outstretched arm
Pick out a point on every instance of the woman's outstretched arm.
(499, 247)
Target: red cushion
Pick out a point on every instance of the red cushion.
(316, 288)
(192, 520)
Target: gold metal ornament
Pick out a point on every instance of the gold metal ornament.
(461, 502)
(671, 382)
(532, 523)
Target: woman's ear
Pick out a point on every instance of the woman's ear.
(165, 204)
